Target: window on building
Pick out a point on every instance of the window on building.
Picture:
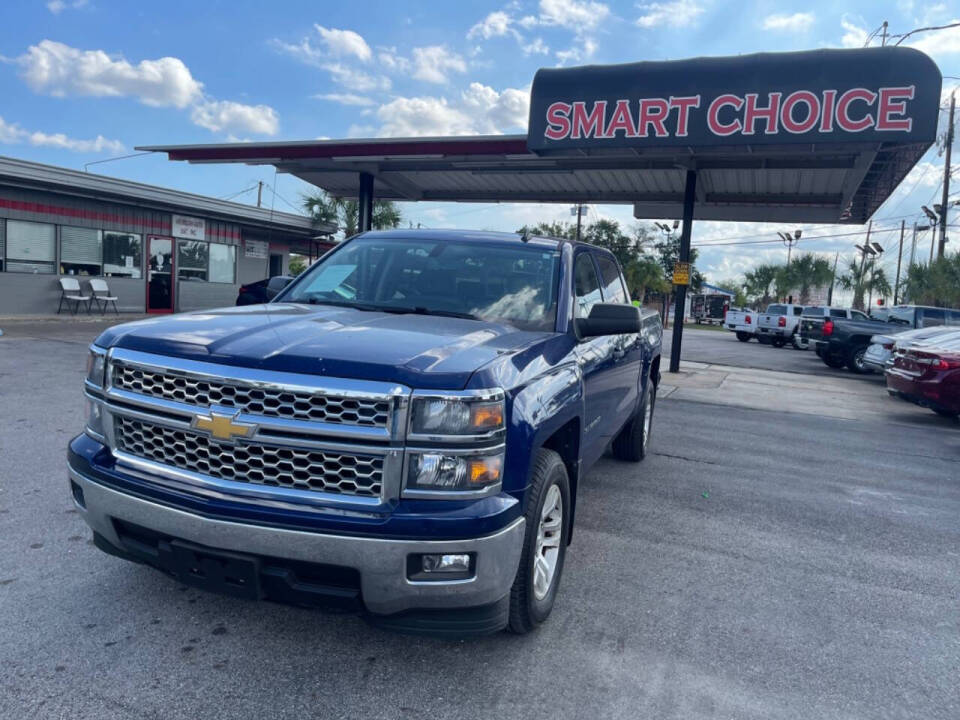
(80, 251)
(122, 254)
(193, 257)
(223, 261)
(31, 247)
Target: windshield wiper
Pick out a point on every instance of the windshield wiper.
(428, 311)
(395, 309)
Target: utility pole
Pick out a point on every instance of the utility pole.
(858, 289)
(579, 219)
(883, 39)
(833, 280)
(913, 247)
(896, 285)
(259, 192)
(944, 203)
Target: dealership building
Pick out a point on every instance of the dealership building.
(159, 250)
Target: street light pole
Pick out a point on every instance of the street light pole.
(896, 285)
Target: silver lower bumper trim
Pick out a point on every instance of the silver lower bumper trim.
(381, 562)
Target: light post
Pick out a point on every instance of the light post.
(790, 240)
(874, 250)
(934, 219)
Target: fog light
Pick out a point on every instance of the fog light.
(446, 563)
(441, 567)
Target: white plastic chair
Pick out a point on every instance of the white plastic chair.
(70, 291)
(101, 294)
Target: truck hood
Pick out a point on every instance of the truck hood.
(422, 351)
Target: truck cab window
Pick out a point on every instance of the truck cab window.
(613, 290)
(586, 286)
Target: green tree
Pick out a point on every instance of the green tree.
(877, 282)
(563, 230)
(345, 212)
(853, 279)
(806, 272)
(757, 283)
(298, 264)
(645, 274)
(738, 287)
(935, 284)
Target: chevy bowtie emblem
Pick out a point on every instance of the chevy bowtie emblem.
(222, 425)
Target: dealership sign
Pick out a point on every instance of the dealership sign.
(877, 94)
(189, 228)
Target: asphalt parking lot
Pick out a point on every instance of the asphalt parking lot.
(758, 565)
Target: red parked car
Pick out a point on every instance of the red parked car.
(928, 376)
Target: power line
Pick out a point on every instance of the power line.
(119, 157)
(236, 194)
(904, 36)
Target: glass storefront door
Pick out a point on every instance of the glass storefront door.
(160, 277)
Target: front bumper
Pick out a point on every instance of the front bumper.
(380, 562)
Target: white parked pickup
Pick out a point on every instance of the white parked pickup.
(778, 324)
(741, 321)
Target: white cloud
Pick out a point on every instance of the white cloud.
(854, 36)
(60, 70)
(536, 47)
(798, 22)
(356, 79)
(577, 54)
(938, 42)
(679, 13)
(344, 42)
(231, 117)
(391, 61)
(433, 63)
(480, 110)
(58, 6)
(576, 16)
(528, 21)
(496, 24)
(56, 69)
(345, 98)
(13, 134)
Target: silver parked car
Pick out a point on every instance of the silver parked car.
(879, 355)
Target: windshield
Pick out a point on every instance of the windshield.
(492, 281)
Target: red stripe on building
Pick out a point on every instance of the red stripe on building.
(158, 226)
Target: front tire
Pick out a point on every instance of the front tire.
(631, 443)
(743, 336)
(544, 544)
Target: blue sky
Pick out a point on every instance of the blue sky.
(86, 80)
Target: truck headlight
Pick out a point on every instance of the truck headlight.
(438, 416)
(96, 367)
(439, 471)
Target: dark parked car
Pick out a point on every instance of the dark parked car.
(928, 376)
(841, 342)
(258, 292)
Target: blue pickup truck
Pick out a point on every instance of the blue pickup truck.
(402, 430)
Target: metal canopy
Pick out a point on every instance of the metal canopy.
(768, 183)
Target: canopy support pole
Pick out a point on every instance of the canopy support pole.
(689, 198)
(365, 203)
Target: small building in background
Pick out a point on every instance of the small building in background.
(160, 250)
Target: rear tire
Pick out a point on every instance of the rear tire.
(855, 361)
(831, 360)
(743, 336)
(778, 342)
(631, 443)
(544, 544)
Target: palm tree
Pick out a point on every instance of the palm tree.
(758, 282)
(852, 279)
(345, 212)
(808, 271)
(643, 274)
(877, 282)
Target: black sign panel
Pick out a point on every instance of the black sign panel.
(889, 94)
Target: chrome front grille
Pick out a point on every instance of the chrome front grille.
(253, 398)
(258, 463)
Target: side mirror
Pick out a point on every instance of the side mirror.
(609, 319)
(276, 284)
